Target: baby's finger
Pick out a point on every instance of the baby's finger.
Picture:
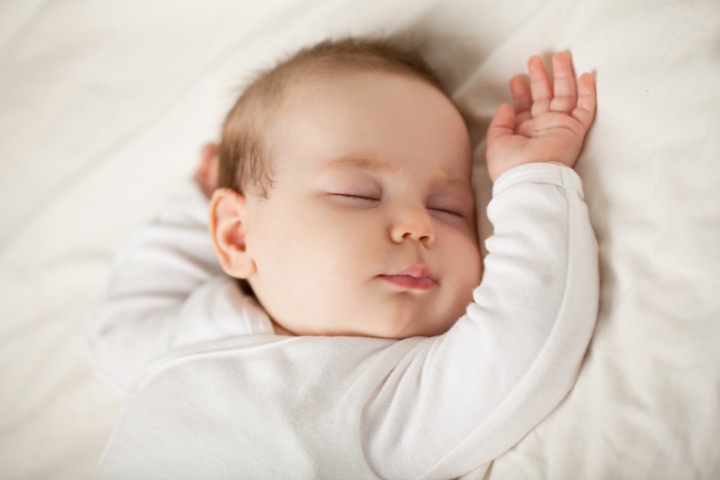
(587, 100)
(502, 123)
(565, 94)
(522, 98)
(540, 86)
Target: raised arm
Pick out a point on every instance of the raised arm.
(511, 359)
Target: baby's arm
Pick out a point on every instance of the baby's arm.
(511, 359)
(167, 288)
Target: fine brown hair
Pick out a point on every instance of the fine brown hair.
(245, 152)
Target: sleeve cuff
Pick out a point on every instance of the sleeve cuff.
(546, 173)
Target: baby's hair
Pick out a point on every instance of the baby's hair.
(245, 158)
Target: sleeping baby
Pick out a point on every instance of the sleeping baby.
(333, 324)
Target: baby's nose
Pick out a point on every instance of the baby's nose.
(413, 223)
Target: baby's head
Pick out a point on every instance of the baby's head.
(345, 197)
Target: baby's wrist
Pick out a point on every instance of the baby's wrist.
(559, 164)
(538, 172)
(494, 176)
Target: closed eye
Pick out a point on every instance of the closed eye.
(358, 197)
(355, 200)
(448, 212)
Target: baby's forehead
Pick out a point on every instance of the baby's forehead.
(354, 92)
(300, 78)
(369, 117)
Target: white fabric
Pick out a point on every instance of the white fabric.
(103, 107)
(262, 406)
(167, 290)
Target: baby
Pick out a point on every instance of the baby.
(364, 345)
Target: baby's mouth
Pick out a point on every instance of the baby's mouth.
(412, 278)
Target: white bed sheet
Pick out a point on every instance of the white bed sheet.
(103, 108)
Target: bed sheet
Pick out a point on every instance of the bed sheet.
(103, 109)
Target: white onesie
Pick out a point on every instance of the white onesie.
(213, 393)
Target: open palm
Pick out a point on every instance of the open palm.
(549, 121)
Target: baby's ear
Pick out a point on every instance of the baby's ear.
(228, 227)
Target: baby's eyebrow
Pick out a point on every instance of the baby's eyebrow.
(439, 181)
(446, 181)
(364, 163)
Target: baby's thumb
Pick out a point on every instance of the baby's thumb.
(502, 123)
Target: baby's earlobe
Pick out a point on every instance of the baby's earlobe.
(228, 226)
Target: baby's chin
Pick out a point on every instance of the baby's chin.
(421, 326)
(397, 322)
(418, 329)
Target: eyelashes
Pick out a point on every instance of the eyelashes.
(357, 197)
(372, 200)
(445, 211)
(352, 199)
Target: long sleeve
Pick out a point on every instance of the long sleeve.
(516, 353)
(166, 289)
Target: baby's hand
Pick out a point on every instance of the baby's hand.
(207, 172)
(549, 122)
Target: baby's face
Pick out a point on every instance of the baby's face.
(368, 229)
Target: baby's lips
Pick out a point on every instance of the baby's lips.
(416, 277)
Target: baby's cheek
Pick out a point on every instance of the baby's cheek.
(463, 251)
(469, 266)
